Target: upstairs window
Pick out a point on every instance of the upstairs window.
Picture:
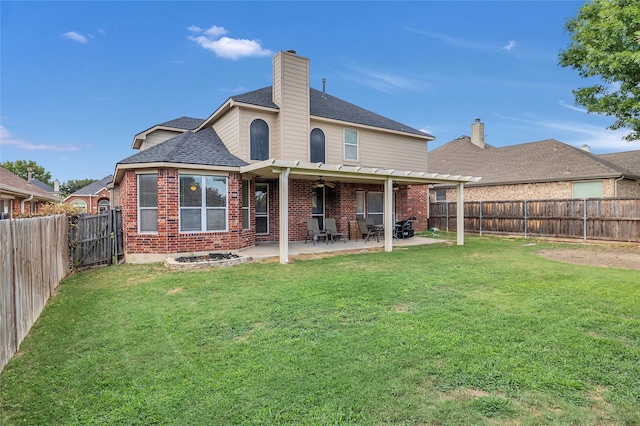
(259, 140)
(350, 144)
(317, 147)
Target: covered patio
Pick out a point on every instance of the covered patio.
(283, 170)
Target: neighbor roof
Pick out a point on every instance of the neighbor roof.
(94, 187)
(628, 161)
(202, 148)
(327, 106)
(13, 184)
(542, 161)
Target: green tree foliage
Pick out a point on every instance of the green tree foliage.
(606, 43)
(21, 168)
(71, 186)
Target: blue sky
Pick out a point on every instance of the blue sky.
(80, 78)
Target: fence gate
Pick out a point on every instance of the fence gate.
(96, 239)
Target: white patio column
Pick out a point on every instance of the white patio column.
(460, 214)
(388, 216)
(284, 216)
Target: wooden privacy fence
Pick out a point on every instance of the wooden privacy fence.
(34, 257)
(616, 219)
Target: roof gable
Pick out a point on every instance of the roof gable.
(202, 148)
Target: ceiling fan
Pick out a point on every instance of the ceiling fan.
(320, 183)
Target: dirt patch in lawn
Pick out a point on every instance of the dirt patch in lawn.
(627, 257)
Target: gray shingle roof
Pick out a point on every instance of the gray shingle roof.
(183, 123)
(327, 106)
(15, 184)
(204, 148)
(42, 185)
(94, 187)
(628, 161)
(542, 161)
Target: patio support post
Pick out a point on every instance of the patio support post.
(284, 216)
(460, 214)
(388, 219)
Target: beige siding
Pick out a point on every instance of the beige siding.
(156, 137)
(227, 128)
(376, 148)
(244, 121)
(291, 94)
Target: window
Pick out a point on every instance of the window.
(350, 144)
(203, 203)
(317, 206)
(441, 195)
(147, 203)
(33, 206)
(262, 208)
(375, 207)
(259, 140)
(246, 185)
(80, 205)
(103, 205)
(5, 209)
(317, 146)
(591, 189)
(360, 206)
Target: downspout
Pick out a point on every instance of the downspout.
(615, 185)
(22, 203)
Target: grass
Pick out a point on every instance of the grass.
(487, 333)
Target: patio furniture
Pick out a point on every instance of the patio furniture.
(366, 231)
(332, 230)
(313, 232)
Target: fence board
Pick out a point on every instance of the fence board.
(33, 260)
(616, 219)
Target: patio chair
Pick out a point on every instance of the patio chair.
(313, 232)
(332, 230)
(366, 231)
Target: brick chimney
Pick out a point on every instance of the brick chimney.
(29, 174)
(477, 133)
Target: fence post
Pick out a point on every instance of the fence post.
(525, 218)
(584, 220)
(447, 214)
(480, 226)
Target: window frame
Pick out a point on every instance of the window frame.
(582, 184)
(347, 144)
(317, 131)
(203, 208)
(79, 203)
(147, 208)
(375, 213)
(257, 145)
(261, 215)
(246, 204)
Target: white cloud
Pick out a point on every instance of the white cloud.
(72, 35)
(510, 45)
(383, 81)
(575, 108)
(225, 47)
(7, 139)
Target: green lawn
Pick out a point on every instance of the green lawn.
(487, 333)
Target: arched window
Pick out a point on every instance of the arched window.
(80, 205)
(103, 205)
(259, 140)
(317, 146)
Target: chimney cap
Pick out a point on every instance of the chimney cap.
(477, 120)
(291, 51)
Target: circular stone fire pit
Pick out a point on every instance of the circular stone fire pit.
(207, 260)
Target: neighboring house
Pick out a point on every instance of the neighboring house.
(262, 164)
(547, 169)
(93, 198)
(18, 196)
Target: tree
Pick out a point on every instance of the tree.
(71, 186)
(21, 168)
(606, 43)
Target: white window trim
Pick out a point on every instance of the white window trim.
(203, 206)
(140, 231)
(345, 144)
(246, 208)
